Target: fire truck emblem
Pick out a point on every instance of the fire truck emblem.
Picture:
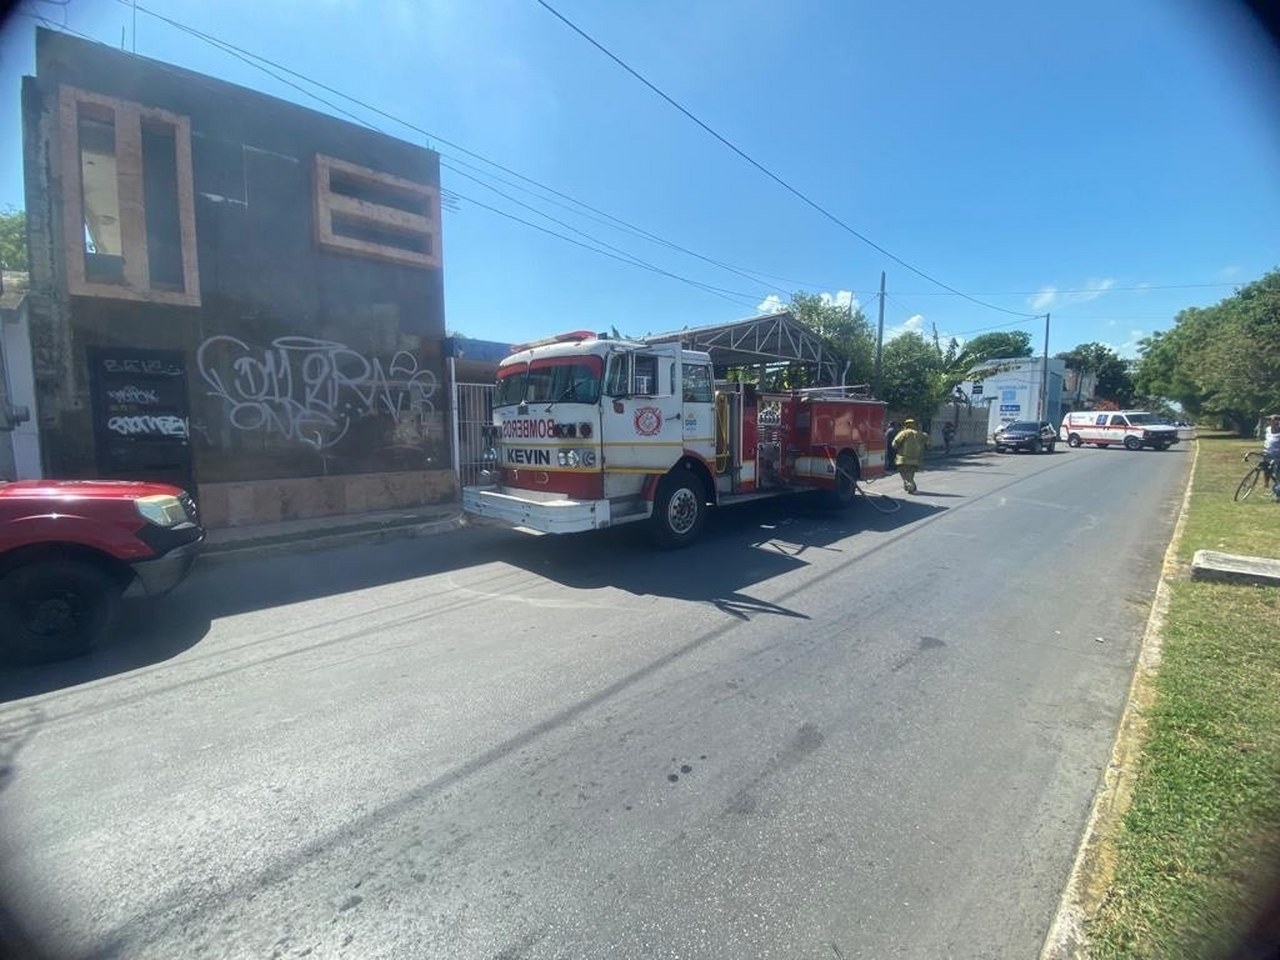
(648, 421)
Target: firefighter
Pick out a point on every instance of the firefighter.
(889, 464)
(909, 447)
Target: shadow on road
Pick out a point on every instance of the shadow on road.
(742, 546)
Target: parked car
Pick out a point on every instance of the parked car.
(1134, 429)
(70, 550)
(1029, 435)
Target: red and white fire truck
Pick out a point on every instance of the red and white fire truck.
(590, 432)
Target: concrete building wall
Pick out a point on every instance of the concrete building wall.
(1012, 390)
(281, 351)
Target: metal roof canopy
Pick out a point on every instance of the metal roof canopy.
(771, 339)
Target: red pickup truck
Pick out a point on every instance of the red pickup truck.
(71, 549)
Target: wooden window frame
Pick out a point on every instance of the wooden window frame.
(376, 215)
(128, 118)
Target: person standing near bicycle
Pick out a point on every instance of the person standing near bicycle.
(1271, 453)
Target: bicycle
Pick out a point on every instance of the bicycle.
(1266, 468)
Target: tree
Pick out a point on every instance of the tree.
(920, 374)
(1221, 361)
(908, 367)
(847, 334)
(13, 239)
(1113, 381)
(993, 346)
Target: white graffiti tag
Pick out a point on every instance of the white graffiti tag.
(132, 394)
(312, 390)
(166, 426)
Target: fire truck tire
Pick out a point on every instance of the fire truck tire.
(846, 481)
(679, 509)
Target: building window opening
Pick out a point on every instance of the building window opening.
(381, 235)
(160, 201)
(382, 194)
(100, 195)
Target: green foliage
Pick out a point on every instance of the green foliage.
(1197, 846)
(13, 239)
(847, 333)
(907, 365)
(989, 346)
(920, 374)
(1220, 362)
(1114, 380)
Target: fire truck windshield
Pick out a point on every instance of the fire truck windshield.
(564, 380)
(511, 384)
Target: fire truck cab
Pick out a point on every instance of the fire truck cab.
(589, 432)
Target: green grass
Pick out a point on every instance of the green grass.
(1193, 856)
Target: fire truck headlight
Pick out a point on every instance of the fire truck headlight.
(490, 456)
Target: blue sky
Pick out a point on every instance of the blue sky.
(1111, 163)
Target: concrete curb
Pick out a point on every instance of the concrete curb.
(1094, 866)
(308, 542)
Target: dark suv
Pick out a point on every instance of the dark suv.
(1026, 435)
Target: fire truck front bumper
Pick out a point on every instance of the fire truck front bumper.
(555, 514)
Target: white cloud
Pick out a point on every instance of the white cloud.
(1130, 347)
(841, 298)
(1045, 299)
(1050, 296)
(1226, 273)
(771, 304)
(1093, 289)
(913, 324)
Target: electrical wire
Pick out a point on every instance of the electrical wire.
(732, 296)
(617, 222)
(1139, 287)
(769, 173)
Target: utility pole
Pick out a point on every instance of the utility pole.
(1044, 374)
(875, 379)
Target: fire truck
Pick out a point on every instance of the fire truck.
(590, 431)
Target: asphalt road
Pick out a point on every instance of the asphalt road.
(810, 735)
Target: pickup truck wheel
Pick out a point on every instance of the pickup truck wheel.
(1132, 443)
(1073, 440)
(54, 609)
(679, 509)
(1049, 448)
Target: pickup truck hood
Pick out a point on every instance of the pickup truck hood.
(84, 489)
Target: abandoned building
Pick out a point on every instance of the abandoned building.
(230, 292)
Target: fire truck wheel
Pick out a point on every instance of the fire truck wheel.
(846, 481)
(679, 509)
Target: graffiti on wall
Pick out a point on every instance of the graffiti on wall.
(149, 426)
(312, 391)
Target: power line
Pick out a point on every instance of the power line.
(766, 171)
(617, 254)
(621, 255)
(1139, 287)
(607, 219)
(618, 222)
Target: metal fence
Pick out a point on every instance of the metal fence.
(474, 405)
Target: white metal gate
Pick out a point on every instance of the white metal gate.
(473, 406)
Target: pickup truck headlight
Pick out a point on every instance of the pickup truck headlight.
(162, 510)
